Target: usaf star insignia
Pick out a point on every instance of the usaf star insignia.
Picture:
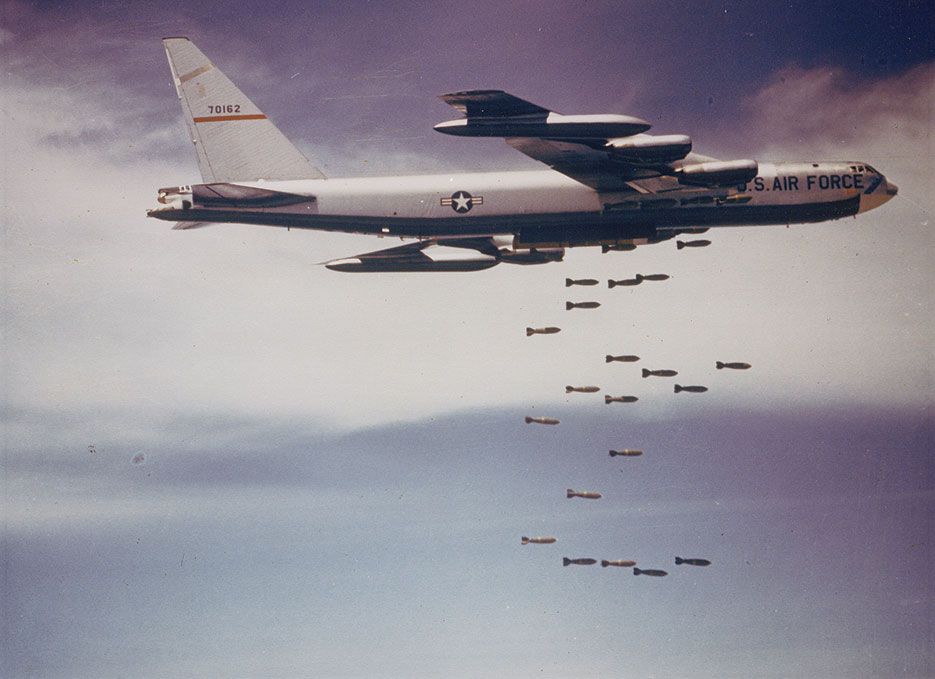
(462, 201)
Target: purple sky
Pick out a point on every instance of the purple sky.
(221, 459)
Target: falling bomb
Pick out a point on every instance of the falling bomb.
(700, 243)
(587, 495)
(692, 388)
(551, 330)
(626, 358)
(732, 366)
(691, 562)
(541, 420)
(659, 373)
(578, 562)
(654, 573)
(620, 399)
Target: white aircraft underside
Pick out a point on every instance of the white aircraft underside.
(610, 185)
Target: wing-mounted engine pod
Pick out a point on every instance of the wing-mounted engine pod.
(649, 150)
(717, 173)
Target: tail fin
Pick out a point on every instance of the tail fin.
(611, 283)
(678, 388)
(565, 561)
(234, 140)
(679, 561)
(529, 331)
(604, 563)
(524, 540)
(719, 365)
(646, 372)
(569, 282)
(679, 245)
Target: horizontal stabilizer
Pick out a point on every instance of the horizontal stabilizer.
(235, 195)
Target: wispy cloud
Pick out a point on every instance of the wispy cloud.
(835, 111)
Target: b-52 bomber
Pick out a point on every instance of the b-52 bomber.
(609, 184)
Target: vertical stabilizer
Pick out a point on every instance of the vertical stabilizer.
(234, 140)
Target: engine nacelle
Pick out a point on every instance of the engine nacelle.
(717, 173)
(648, 150)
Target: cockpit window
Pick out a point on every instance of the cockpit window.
(870, 169)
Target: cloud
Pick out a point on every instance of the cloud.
(103, 307)
(830, 111)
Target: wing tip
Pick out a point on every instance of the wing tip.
(463, 93)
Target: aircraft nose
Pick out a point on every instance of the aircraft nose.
(882, 192)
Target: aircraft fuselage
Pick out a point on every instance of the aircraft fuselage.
(539, 207)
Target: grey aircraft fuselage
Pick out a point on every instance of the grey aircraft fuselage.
(546, 207)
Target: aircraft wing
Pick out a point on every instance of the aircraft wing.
(581, 162)
(444, 254)
(607, 152)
